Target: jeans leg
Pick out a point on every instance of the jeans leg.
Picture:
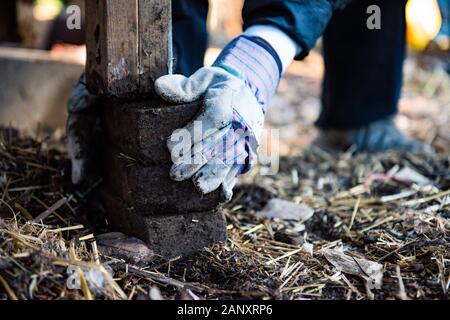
(190, 37)
(445, 11)
(363, 67)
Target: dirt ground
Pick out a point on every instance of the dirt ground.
(373, 235)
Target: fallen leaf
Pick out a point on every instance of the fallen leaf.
(410, 175)
(370, 271)
(286, 210)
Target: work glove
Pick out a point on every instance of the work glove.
(222, 142)
(83, 132)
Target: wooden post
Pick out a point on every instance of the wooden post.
(129, 45)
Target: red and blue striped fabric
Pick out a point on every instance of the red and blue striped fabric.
(260, 66)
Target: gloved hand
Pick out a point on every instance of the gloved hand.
(83, 131)
(222, 142)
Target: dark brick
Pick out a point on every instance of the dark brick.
(148, 190)
(140, 129)
(168, 236)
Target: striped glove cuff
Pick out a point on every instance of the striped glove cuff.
(256, 62)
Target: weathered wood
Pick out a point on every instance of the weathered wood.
(129, 45)
(155, 41)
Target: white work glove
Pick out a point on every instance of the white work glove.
(211, 148)
(222, 142)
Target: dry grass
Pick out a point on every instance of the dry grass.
(358, 207)
(47, 228)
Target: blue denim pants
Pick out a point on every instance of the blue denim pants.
(363, 68)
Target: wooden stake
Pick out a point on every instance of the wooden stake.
(129, 45)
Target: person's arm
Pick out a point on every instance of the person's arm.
(304, 21)
(222, 142)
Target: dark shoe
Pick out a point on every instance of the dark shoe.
(378, 136)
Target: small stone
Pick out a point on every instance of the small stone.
(121, 246)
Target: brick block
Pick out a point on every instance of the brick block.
(168, 236)
(148, 190)
(140, 128)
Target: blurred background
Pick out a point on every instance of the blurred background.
(40, 60)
